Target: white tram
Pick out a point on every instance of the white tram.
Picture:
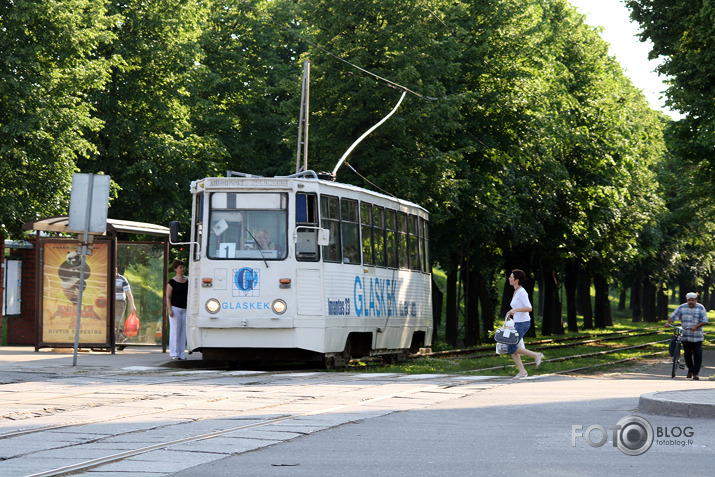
(302, 268)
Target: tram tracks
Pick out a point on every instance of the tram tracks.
(119, 403)
(589, 347)
(181, 423)
(568, 342)
(356, 403)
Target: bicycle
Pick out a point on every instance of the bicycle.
(676, 341)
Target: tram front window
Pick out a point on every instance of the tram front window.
(250, 226)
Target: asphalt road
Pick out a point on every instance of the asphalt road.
(516, 428)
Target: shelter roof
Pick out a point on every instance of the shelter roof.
(60, 224)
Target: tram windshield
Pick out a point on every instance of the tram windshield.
(250, 226)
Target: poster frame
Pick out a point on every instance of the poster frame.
(101, 246)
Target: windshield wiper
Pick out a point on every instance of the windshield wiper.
(260, 249)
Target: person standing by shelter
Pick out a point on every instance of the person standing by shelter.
(122, 295)
(693, 317)
(176, 293)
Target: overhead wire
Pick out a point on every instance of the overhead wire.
(369, 182)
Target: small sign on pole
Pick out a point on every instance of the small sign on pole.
(89, 203)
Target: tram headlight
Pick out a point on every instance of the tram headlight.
(279, 307)
(213, 305)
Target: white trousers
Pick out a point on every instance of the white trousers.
(177, 332)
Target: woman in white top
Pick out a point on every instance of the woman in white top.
(520, 308)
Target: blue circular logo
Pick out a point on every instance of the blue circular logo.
(246, 279)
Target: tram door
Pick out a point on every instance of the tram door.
(307, 253)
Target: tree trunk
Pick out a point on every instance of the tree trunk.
(571, 284)
(529, 287)
(584, 297)
(602, 310)
(539, 308)
(451, 324)
(636, 300)
(705, 298)
(486, 304)
(622, 298)
(650, 313)
(471, 321)
(506, 296)
(437, 297)
(551, 318)
(662, 304)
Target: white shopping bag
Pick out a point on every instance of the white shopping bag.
(502, 347)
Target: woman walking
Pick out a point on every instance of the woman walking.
(176, 292)
(520, 308)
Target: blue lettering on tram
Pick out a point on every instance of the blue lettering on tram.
(375, 297)
(339, 307)
(244, 305)
(246, 282)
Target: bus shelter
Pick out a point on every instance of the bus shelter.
(106, 305)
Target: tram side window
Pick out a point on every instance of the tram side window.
(391, 238)
(330, 216)
(415, 262)
(198, 225)
(366, 220)
(425, 245)
(350, 231)
(402, 240)
(378, 233)
(306, 221)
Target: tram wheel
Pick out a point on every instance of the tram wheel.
(338, 360)
(329, 362)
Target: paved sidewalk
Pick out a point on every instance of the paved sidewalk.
(685, 403)
(25, 359)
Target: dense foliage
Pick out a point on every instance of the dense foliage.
(520, 134)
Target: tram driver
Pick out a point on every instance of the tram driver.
(263, 240)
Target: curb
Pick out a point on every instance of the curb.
(692, 403)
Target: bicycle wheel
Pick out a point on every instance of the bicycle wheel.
(676, 358)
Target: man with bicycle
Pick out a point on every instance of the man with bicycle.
(693, 317)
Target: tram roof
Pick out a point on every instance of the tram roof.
(285, 182)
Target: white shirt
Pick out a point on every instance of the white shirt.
(520, 300)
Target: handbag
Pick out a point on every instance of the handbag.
(507, 334)
(131, 325)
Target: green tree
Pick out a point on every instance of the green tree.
(683, 39)
(149, 143)
(49, 67)
(251, 87)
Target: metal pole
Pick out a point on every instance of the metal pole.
(85, 236)
(303, 120)
(306, 106)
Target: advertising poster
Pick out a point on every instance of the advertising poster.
(13, 287)
(61, 269)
